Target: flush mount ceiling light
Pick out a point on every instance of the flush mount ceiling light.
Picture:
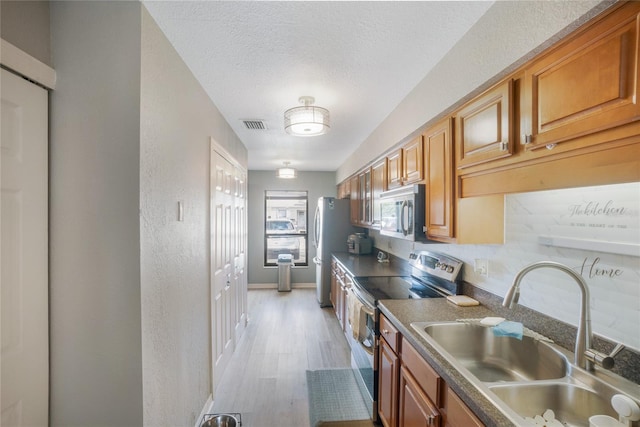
(306, 120)
(286, 172)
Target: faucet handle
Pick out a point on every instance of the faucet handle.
(604, 360)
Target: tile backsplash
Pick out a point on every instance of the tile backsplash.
(593, 230)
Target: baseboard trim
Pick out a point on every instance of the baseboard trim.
(275, 286)
(208, 407)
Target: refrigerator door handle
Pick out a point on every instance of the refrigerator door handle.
(316, 227)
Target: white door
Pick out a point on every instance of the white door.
(222, 300)
(24, 355)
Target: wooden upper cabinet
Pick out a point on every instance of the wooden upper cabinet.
(365, 192)
(344, 189)
(484, 127)
(394, 169)
(355, 200)
(405, 165)
(378, 185)
(586, 85)
(438, 149)
(412, 161)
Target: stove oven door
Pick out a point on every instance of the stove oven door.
(360, 333)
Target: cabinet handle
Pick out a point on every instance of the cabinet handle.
(527, 139)
(503, 146)
(384, 331)
(431, 420)
(551, 146)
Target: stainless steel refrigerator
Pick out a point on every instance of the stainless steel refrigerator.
(331, 228)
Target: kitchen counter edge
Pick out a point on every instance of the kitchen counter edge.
(402, 313)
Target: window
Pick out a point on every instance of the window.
(285, 230)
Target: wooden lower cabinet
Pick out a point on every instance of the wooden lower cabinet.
(410, 391)
(389, 369)
(415, 407)
(456, 413)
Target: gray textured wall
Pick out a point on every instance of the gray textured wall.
(25, 24)
(96, 353)
(317, 184)
(177, 121)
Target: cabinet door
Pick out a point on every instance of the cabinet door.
(586, 85)
(457, 413)
(415, 408)
(439, 182)
(364, 183)
(412, 160)
(394, 169)
(484, 127)
(355, 200)
(378, 185)
(388, 385)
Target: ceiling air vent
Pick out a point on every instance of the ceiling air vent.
(254, 124)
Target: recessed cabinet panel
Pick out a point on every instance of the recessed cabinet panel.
(439, 167)
(394, 169)
(412, 161)
(587, 85)
(366, 207)
(355, 200)
(378, 185)
(388, 385)
(415, 408)
(484, 127)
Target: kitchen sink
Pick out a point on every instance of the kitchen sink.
(527, 377)
(571, 404)
(493, 358)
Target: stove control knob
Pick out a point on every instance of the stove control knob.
(443, 266)
(450, 269)
(438, 265)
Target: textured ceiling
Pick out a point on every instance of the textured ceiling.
(358, 59)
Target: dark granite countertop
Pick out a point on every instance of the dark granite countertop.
(368, 265)
(403, 312)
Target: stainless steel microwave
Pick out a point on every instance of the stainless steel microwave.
(402, 212)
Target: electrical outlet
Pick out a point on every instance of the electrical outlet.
(481, 266)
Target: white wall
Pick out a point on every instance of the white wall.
(96, 353)
(612, 278)
(177, 120)
(508, 33)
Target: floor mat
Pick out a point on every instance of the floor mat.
(334, 397)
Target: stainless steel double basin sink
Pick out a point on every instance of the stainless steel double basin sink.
(524, 378)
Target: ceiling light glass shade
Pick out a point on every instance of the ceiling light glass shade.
(286, 172)
(307, 120)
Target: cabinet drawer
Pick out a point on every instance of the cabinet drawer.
(424, 374)
(390, 333)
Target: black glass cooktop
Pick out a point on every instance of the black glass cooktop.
(404, 287)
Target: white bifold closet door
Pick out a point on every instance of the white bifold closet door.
(24, 357)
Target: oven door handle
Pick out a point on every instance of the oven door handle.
(365, 306)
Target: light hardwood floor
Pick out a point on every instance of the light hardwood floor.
(288, 333)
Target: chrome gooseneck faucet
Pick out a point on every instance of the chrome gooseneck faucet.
(583, 338)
